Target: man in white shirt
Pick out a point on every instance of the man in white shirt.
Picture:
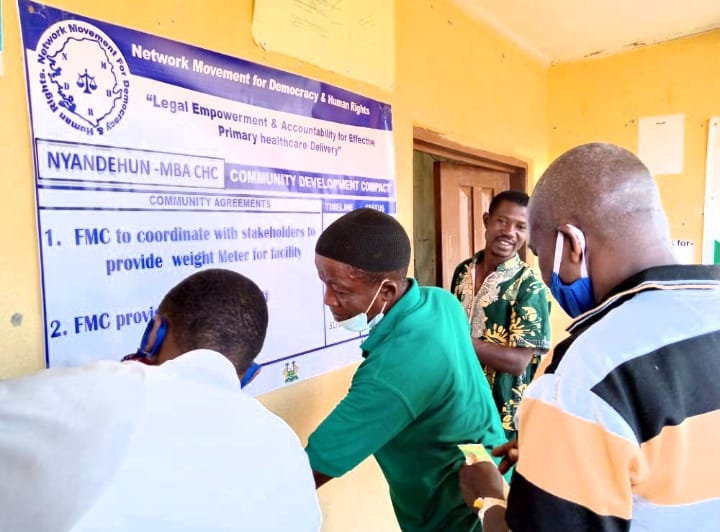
(171, 444)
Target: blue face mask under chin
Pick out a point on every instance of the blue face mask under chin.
(577, 297)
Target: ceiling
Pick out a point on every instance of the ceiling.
(557, 31)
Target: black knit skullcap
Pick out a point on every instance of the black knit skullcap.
(367, 239)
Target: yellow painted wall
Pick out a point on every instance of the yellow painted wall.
(454, 76)
(602, 99)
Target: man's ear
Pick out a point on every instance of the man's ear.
(573, 248)
(571, 264)
(390, 290)
(486, 217)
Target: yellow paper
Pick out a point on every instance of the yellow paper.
(474, 453)
(352, 37)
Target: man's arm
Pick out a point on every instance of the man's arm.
(369, 416)
(482, 484)
(483, 479)
(511, 360)
(528, 330)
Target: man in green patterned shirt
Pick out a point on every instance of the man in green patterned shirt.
(507, 304)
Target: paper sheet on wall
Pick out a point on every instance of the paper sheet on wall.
(354, 38)
(684, 250)
(711, 233)
(661, 143)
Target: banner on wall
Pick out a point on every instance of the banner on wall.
(154, 159)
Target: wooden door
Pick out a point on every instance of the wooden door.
(462, 193)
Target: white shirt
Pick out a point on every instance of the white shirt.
(126, 447)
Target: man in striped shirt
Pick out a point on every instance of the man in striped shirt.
(621, 431)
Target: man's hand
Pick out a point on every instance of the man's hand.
(509, 452)
(481, 479)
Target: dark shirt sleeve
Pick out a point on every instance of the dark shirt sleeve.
(530, 318)
(458, 275)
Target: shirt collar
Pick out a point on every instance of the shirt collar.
(670, 277)
(205, 366)
(402, 306)
(513, 263)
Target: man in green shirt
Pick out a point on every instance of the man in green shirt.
(507, 304)
(418, 393)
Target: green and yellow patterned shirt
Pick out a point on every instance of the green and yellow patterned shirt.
(512, 308)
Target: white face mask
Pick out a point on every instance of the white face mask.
(359, 322)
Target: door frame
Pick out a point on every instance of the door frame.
(436, 144)
(428, 141)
